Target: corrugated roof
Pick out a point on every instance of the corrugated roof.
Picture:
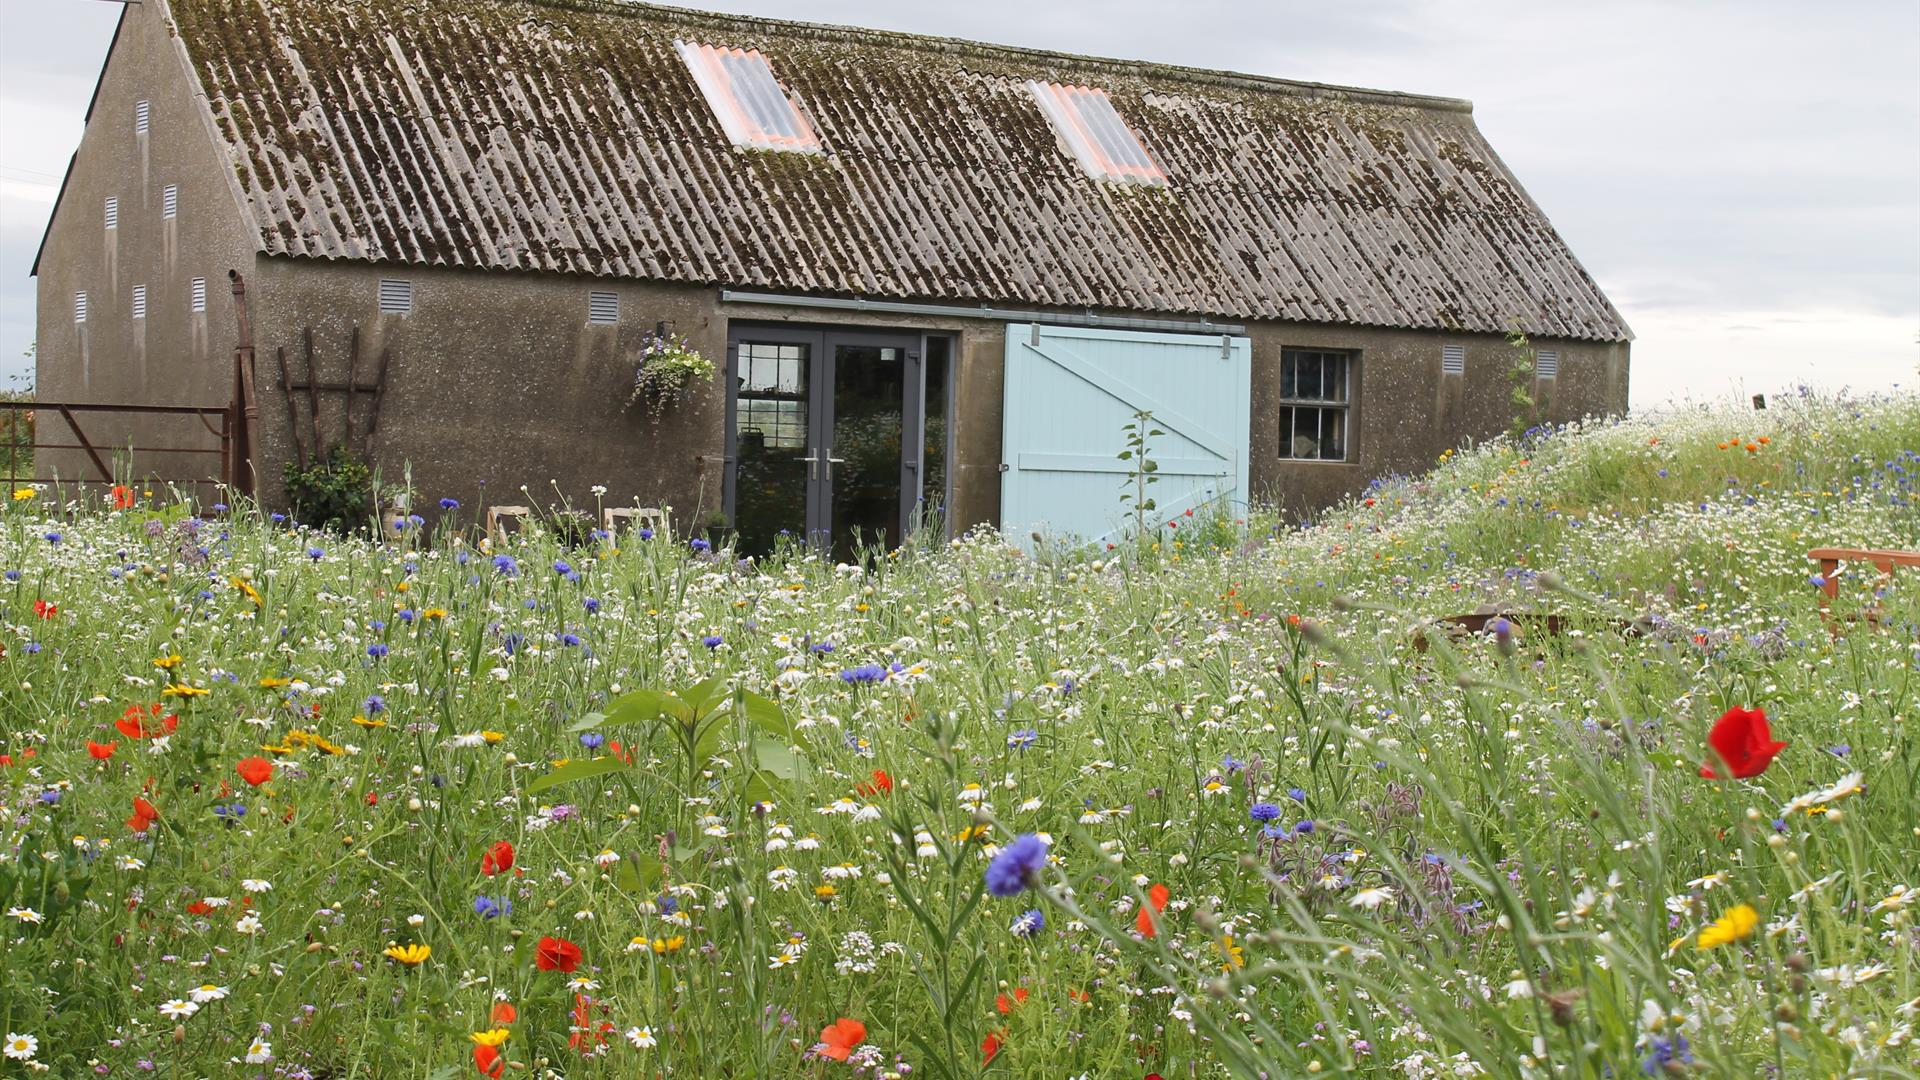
(567, 135)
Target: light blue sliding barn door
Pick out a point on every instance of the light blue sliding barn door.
(1070, 392)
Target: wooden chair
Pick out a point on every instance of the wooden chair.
(1830, 559)
(498, 516)
(634, 517)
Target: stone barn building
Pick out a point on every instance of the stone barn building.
(934, 275)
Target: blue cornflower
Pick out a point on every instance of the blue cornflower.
(646, 534)
(1030, 922)
(1016, 866)
(1303, 826)
(1231, 764)
(374, 704)
(1297, 794)
(506, 565)
(489, 908)
(592, 739)
(51, 796)
(277, 518)
(406, 615)
(699, 546)
(1666, 1052)
(666, 904)
(13, 575)
(711, 641)
(1264, 811)
(592, 605)
(316, 553)
(377, 625)
(823, 647)
(1840, 750)
(1022, 739)
(32, 647)
(560, 567)
(1276, 831)
(512, 642)
(865, 673)
(54, 538)
(230, 811)
(570, 640)
(449, 504)
(377, 650)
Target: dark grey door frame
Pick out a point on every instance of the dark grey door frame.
(821, 342)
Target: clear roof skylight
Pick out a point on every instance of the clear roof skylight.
(1085, 119)
(752, 108)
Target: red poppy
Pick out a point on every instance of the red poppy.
(44, 609)
(255, 770)
(585, 1037)
(1743, 742)
(122, 497)
(144, 815)
(100, 751)
(881, 785)
(488, 1060)
(199, 907)
(138, 723)
(1146, 922)
(1007, 1004)
(497, 860)
(989, 1046)
(504, 1014)
(557, 954)
(842, 1037)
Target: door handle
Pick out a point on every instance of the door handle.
(813, 465)
(831, 462)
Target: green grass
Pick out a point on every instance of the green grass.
(1510, 858)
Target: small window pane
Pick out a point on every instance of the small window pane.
(1307, 376)
(1306, 433)
(1333, 434)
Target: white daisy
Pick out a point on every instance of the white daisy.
(20, 1047)
(203, 994)
(641, 1038)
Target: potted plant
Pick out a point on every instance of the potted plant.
(668, 368)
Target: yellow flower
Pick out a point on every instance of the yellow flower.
(273, 683)
(434, 613)
(410, 955)
(825, 892)
(253, 594)
(167, 663)
(671, 944)
(971, 832)
(364, 722)
(1737, 923)
(492, 737)
(491, 1038)
(185, 691)
(1236, 956)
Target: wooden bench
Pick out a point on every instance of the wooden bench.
(1830, 559)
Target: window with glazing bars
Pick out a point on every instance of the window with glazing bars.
(1546, 364)
(772, 395)
(751, 106)
(1315, 397)
(199, 294)
(1103, 144)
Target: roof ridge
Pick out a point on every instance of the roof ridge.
(968, 46)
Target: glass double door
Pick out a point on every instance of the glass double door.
(829, 436)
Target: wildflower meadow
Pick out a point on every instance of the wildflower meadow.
(1222, 801)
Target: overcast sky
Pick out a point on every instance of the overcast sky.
(1743, 178)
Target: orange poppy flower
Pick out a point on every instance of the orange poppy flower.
(122, 497)
(498, 859)
(504, 1014)
(881, 785)
(488, 1060)
(255, 770)
(144, 815)
(989, 1047)
(842, 1037)
(1007, 1004)
(1147, 921)
(100, 751)
(138, 723)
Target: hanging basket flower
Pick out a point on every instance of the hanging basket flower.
(669, 368)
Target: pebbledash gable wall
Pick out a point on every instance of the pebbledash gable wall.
(174, 355)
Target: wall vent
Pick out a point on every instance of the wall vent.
(396, 297)
(1546, 364)
(199, 294)
(142, 117)
(170, 201)
(139, 301)
(113, 212)
(1453, 359)
(80, 306)
(603, 308)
